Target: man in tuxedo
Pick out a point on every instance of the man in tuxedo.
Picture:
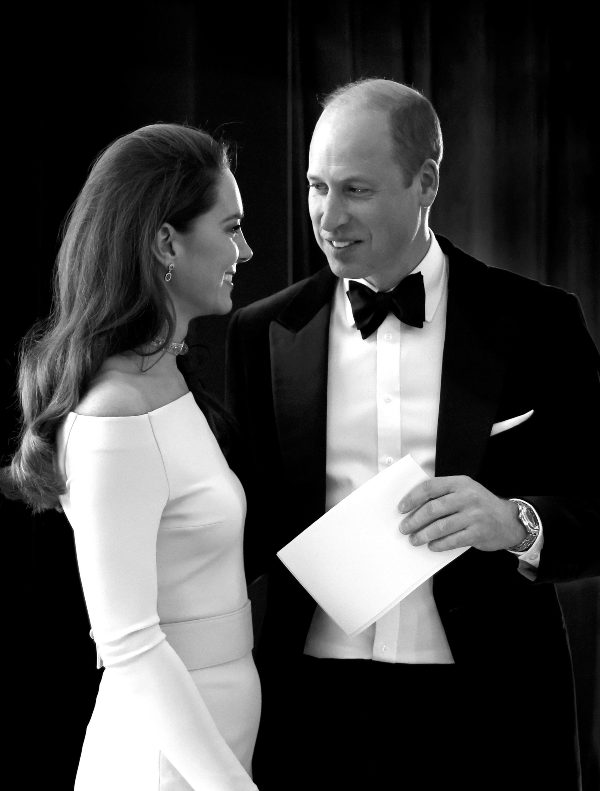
(406, 344)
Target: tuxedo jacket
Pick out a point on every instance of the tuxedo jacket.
(512, 345)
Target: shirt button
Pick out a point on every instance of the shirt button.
(389, 459)
(384, 648)
(388, 336)
(387, 399)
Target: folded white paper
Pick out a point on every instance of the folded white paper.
(354, 561)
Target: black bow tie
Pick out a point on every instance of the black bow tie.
(406, 301)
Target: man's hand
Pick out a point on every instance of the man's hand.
(456, 511)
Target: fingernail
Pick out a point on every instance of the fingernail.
(402, 506)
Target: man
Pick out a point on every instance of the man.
(490, 381)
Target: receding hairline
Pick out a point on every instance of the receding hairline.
(412, 120)
(373, 93)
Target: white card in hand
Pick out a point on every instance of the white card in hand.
(354, 561)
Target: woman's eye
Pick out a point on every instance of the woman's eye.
(236, 228)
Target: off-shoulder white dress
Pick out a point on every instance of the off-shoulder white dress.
(158, 521)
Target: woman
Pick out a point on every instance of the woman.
(112, 435)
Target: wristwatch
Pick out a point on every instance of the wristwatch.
(529, 519)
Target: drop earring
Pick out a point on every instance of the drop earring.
(169, 274)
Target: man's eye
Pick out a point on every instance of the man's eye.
(317, 187)
(236, 228)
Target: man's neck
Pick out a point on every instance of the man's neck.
(386, 281)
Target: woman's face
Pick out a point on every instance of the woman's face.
(206, 254)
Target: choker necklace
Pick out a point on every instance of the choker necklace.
(172, 348)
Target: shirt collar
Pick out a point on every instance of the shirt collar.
(432, 267)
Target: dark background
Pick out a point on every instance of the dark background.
(514, 85)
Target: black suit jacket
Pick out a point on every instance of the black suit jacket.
(511, 345)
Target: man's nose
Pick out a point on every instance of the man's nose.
(334, 213)
(244, 250)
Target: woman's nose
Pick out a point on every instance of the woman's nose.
(245, 251)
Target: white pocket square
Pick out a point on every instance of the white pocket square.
(504, 425)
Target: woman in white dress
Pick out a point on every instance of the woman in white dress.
(112, 435)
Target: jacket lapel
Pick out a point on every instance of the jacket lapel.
(299, 340)
(473, 367)
(473, 372)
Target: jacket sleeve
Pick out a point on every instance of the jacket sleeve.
(570, 508)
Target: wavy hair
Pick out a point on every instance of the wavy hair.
(108, 293)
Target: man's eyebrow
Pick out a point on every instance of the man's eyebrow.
(350, 177)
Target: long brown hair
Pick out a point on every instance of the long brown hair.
(108, 291)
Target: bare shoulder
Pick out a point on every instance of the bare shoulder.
(114, 394)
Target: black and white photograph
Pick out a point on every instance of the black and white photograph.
(300, 461)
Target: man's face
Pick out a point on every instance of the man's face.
(366, 220)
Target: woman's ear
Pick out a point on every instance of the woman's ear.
(163, 244)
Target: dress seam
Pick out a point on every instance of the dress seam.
(162, 458)
(64, 449)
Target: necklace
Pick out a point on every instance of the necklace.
(172, 348)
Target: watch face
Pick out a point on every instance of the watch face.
(529, 519)
(530, 522)
(531, 525)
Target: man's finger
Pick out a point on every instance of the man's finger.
(441, 528)
(431, 511)
(429, 490)
(453, 541)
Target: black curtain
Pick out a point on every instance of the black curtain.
(513, 84)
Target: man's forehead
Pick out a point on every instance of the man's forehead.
(351, 116)
(358, 130)
(347, 143)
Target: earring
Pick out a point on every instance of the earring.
(169, 275)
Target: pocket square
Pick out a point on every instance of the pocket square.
(511, 422)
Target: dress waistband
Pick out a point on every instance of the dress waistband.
(205, 642)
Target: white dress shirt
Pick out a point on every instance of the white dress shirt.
(383, 397)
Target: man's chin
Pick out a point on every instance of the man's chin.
(354, 271)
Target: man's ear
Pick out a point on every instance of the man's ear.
(163, 244)
(429, 181)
